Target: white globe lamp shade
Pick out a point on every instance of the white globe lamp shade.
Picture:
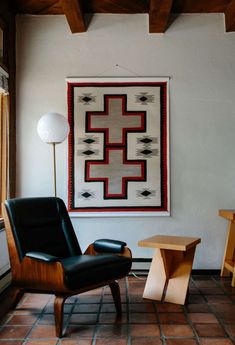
(53, 128)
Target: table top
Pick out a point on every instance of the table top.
(170, 242)
(228, 214)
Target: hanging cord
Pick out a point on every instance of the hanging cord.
(133, 73)
(120, 67)
(128, 70)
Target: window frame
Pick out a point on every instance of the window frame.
(3, 63)
(7, 135)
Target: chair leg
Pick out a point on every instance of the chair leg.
(18, 294)
(115, 290)
(59, 314)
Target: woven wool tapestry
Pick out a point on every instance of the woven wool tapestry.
(118, 146)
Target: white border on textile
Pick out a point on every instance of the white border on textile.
(129, 213)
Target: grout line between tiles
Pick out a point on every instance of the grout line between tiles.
(36, 322)
(162, 337)
(98, 316)
(126, 292)
(223, 325)
(65, 324)
(128, 312)
(196, 337)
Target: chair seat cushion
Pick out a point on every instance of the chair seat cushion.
(84, 270)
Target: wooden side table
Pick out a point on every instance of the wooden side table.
(171, 267)
(228, 265)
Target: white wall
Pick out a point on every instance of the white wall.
(198, 56)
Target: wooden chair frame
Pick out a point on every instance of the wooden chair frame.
(37, 276)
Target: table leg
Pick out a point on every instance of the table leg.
(229, 253)
(169, 275)
(156, 279)
(176, 290)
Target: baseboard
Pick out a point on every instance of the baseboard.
(142, 264)
(206, 272)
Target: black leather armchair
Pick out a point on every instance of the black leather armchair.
(45, 255)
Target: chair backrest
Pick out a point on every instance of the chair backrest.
(42, 225)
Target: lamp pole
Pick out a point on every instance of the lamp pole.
(54, 168)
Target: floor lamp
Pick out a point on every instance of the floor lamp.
(53, 129)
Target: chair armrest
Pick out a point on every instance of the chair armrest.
(42, 256)
(109, 246)
(39, 274)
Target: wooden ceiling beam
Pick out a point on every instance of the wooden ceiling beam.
(74, 14)
(159, 13)
(230, 16)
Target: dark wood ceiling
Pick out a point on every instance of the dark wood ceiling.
(159, 10)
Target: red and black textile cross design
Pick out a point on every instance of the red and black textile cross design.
(115, 170)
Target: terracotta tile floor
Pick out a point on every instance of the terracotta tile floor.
(208, 318)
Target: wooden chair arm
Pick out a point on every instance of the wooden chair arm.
(91, 251)
(37, 274)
